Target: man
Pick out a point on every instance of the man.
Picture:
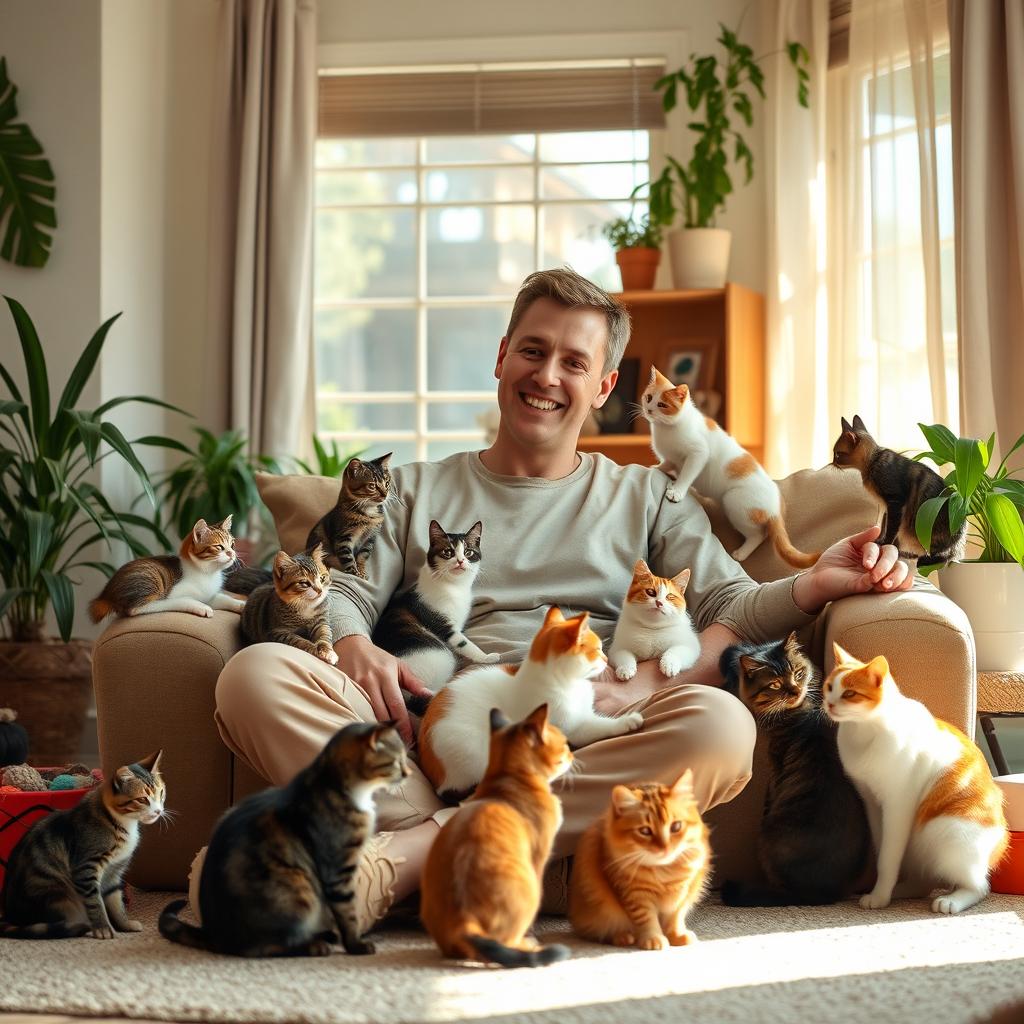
(558, 528)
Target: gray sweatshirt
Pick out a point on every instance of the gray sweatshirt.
(570, 542)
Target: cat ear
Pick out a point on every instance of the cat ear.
(317, 554)
(538, 719)
(579, 625)
(845, 426)
(199, 529)
(499, 720)
(225, 524)
(858, 424)
(654, 374)
(683, 391)
(438, 538)
(151, 763)
(641, 569)
(878, 669)
(281, 562)
(122, 777)
(623, 799)
(554, 616)
(681, 579)
(791, 641)
(382, 727)
(384, 460)
(474, 533)
(684, 784)
(749, 665)
(843, 657)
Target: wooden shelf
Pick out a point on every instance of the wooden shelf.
(654, 296)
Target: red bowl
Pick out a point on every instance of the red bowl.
(1008, 876)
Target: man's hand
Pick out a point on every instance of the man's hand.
(383, 677)
(854, 565)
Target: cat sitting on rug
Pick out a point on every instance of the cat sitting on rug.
(482, 881)
(282, 861)
(654, 624)
(936, 816)
(641, 868)
(64, 877)
(190, 581)
(564, 656)
(814, 843)
(900, 486)
(696, 452)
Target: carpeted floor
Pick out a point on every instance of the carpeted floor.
(837, 964)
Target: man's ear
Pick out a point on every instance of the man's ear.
(607, 383)
(502, 352)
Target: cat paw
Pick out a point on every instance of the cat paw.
(490, 659)
(686, 938)
(624, 939)
(633, 721)
(360, 948)
(318, 947)
(132, 926)
(204, 611)
(875, 900)
(327, 654)
(102, 933)
(671, 665)
(653, 942)
(625, 672)
(672, 494)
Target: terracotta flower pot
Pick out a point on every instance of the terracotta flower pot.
(638, 267)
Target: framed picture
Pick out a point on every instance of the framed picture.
(615, 416)
(691, 361)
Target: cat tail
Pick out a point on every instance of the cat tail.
(43, 930)
(498, 953)
(100, 608)
(776, 529)
(172, 927)
(245, 579)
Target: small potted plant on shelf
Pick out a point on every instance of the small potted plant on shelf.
(637, 250)
(990, 586)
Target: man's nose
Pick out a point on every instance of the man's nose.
(546, 375)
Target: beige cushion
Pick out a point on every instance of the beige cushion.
(297, 503)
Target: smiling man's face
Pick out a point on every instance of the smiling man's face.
(551, 375)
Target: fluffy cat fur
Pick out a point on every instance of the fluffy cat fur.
(936, 816)
(190, 581)
(424, 625)
(564, 656)
(481, 884)
(654, 624)
(281, 862)
(64, 877)
(814, 844)
(696, 452)
(294, 609)
(641, 868)
(900, 486)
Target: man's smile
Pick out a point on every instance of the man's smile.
(537, 402)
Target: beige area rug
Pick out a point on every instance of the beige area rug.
(837, 964)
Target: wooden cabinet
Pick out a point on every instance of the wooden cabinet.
(715, 338)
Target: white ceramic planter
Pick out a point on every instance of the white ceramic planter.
(700, 257)
(992, 595)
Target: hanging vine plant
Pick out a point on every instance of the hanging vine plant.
(26, 186)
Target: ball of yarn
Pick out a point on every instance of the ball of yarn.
(25, 777)
(9, 789)
(97, 774)
(64, 782)
(75, 768)
(83, 781)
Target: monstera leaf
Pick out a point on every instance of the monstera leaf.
(26, 186)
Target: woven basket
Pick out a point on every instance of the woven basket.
(1001, 691)
(49, 684)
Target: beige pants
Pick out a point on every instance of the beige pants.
(277, 706)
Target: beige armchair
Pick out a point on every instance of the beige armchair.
(154, 676)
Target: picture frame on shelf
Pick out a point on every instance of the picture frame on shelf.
(691, 361)
(615, 416)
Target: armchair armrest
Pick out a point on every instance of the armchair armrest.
(154, 678)
(925, 637)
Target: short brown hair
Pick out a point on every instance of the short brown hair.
(575, 291)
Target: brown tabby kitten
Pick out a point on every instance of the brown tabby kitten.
(482, 880)
(349, 530)
(641, 867)
(190, 581)
(281, 862)
(63, 879)
(900, 486)
(294, 609)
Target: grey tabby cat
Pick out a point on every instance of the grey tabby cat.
(64, 878)
(293, 609)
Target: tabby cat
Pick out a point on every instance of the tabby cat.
(641, 867)
(281, 862)
(814, 843)
(64, 878)
(424, 625)
(481, 884)
(294, 609)
(190, 581)
(900, 486)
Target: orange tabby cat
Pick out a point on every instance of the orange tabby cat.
(641, 867)
(481, 883)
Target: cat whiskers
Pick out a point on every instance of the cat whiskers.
(166, 819)
(634, 410)
(568, 777)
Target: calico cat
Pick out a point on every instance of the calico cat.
(190, 581)
(424, 625)
(349, 530)
(641, 868)
(281, 862)
(64, 878)
(564, 656)
(294, 609)
(814, 843)
(900, 486)
(936, 816)
(695, 451)
(482, 881)
(654, 624)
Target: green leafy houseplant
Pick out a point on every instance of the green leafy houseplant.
(628, 233)
(717, 90)
(50, 510)
(991, 503)
(329, 461)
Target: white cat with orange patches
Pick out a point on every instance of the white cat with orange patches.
(696, 452)
(564, 656)
(936, 816)
(654, 624)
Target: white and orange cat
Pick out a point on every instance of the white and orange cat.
(654, 624)
(696, 452)
(936, 816)
(564, 656)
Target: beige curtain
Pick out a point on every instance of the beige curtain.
(797, 411)
(987, 41)
(261, 221)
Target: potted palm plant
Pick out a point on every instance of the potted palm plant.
(637, 245)
(51, 515)
(990, 586)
